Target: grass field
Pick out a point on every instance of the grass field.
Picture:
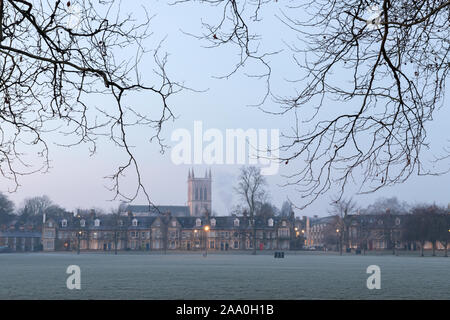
(242, 276)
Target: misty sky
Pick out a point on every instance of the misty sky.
(76, 179)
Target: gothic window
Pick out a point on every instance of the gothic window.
(205, 197)
(196, 193)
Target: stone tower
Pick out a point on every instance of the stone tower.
(199, 194)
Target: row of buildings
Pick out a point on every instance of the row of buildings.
(192, 227)
(382, 231)
(166, 232)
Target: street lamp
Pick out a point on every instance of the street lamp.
(206, 228)
(79, 236)
(339, 241)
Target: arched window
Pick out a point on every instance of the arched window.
(213, 222)
(196, 193)
(134, 222)
(270, 222)
(205, 194)
(198, 222)
(64, 223)
(97, 222)
(236, 222)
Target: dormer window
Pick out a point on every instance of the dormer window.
(97, 223)
(50, 224)
(64, 223)
(174, 223)
(198, 223)
(270, 222)
(213, 222)
(236, 222)
(134, 222)
(283, 223)
(82, 223)
(120, 223)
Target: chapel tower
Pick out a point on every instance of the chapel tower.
(199, 194)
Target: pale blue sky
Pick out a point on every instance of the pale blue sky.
(76, 180)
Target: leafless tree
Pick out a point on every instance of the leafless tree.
(251, 189)
(392, 62)
(55, 58)
(341, 209)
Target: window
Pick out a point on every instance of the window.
(283, 223)
(198, 222)
(120, 223)
(97, 222)
(270, 222)
(174, 223)
(213, 222)
(134, 222)
(236, 222)
(211, 244)
(82, 223)
(64, 223)
(205, 194)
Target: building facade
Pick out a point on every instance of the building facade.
(166, 232)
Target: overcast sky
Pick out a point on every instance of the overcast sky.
(76, 179)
